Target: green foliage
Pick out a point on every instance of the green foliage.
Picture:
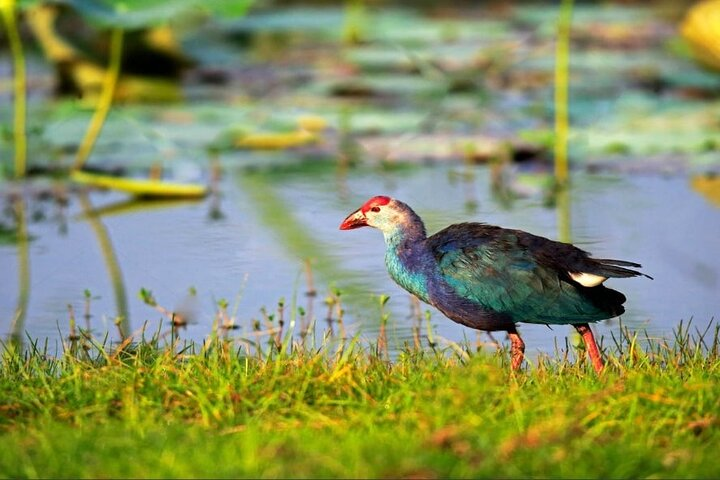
(8, 235)
(25, 4)
(147, 297)
(342, 410)
(134, 14)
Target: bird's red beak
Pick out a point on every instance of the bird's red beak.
(356, 219)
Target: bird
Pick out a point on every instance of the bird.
(490, 278)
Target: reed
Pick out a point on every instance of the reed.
(562, 59)
(8, 11)
(105, 100)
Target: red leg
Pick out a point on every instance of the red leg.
(593, 351)
(517, 349)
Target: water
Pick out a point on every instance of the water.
(249, 246)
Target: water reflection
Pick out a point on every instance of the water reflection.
(122, 318)
(17, 329)
(277, 215)
(277, 237)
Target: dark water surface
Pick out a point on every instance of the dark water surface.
(250, 246)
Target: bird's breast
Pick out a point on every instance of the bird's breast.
(408, 272)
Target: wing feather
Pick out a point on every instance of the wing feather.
(521, 275)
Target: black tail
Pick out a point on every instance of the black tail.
(614, 268)
(606, 299)
(622, 263)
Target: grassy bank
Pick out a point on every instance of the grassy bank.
(342, 410)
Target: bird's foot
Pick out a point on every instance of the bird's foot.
(591, 347)
(517, 350)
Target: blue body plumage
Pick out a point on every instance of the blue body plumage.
(490, 278)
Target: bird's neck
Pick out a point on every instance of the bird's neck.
(409, 229)
(408, 258)
(404, 236)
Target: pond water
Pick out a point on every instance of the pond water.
(252, 242)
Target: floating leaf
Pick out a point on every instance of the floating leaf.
(141, 187)
(275, 141)
(708, 186)
(312, 123)
(641, 128)
(289, 20)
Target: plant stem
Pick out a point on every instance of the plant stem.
(23, 245)
(105, 100)
(562, 55)
(8, 12)
(562, 206)
(354, 27)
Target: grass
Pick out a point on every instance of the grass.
(340, 408)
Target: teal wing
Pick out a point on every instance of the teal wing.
(494, 269)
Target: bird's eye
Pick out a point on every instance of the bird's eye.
(375, 209)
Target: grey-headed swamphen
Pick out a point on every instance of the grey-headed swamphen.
(490, 278)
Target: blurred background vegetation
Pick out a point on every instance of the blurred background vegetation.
(344, 52)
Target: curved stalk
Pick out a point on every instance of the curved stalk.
(8, 12)
(563, 215)
(105, 100)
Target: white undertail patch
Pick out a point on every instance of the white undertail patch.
(587, 279)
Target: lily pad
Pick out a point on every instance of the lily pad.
(653, 129)
(409, 28)
(327, 21)
(379, 85)
(134, 14)
(543, 19)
